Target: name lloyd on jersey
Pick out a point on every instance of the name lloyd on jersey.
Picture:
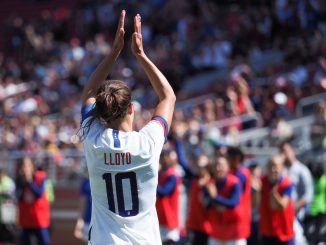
(117, 158)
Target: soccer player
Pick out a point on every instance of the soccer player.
(255, 172)
(168, 198)
(224, 214)
(33, 205)
(236, 158)
(123, 164)
(276, 206)
(198, 224)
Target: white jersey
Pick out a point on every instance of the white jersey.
(123, 172)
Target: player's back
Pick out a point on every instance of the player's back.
(123, 171)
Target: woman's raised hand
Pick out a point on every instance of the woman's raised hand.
(137, 40)
(119, 36)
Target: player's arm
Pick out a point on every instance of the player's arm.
(160, 84)
(307, 182)
(168, 187)
(281, 200)
(230, 202)
(78, 231)
(37, 190)
(103, 69)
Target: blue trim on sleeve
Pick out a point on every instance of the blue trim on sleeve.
(86, 111)
(233, 200)
(182, 159)
(164, 124)
(116, 141)
(86, 193)
(288, 191)
(37, 190)
(168, 187)
(242, 178)
(221, 183)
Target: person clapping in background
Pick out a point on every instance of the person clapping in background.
(276, 206)
(224, 214)
(34, 207)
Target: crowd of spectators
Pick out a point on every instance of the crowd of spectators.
(282, 185)
(50, 57)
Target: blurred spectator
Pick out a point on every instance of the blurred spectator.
(303, 191)
(315, 223)
(281, 130)
(255, 172)
(220, 149)
(7, 209)
(168, 198)
(318, 128)
(258, 49)
(198, 224)
(34, 207)
(276, 206)
(224, 215)
(235, 158)
(85, 209)
(198, 174)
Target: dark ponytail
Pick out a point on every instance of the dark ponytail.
(113, 98)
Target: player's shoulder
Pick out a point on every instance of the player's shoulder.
(244, 171)
(232, 179)
(286, 181)
(153, 124)
(90, 127)
(155, 130)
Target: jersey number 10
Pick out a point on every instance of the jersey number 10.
(131, 176)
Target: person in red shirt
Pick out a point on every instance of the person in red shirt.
(168, 198)
(33, 205)
(197, 224)
(276, 206)
(236, 157)
(225, 194)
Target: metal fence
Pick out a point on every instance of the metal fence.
(64, 168)
(305, 105)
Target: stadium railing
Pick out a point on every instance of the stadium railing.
(305, 105)
(204, 82)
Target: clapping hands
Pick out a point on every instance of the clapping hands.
(119, 36)
(137, 41)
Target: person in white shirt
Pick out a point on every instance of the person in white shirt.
(303, 191)
(123, 164)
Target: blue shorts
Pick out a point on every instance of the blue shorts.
(42, 236)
